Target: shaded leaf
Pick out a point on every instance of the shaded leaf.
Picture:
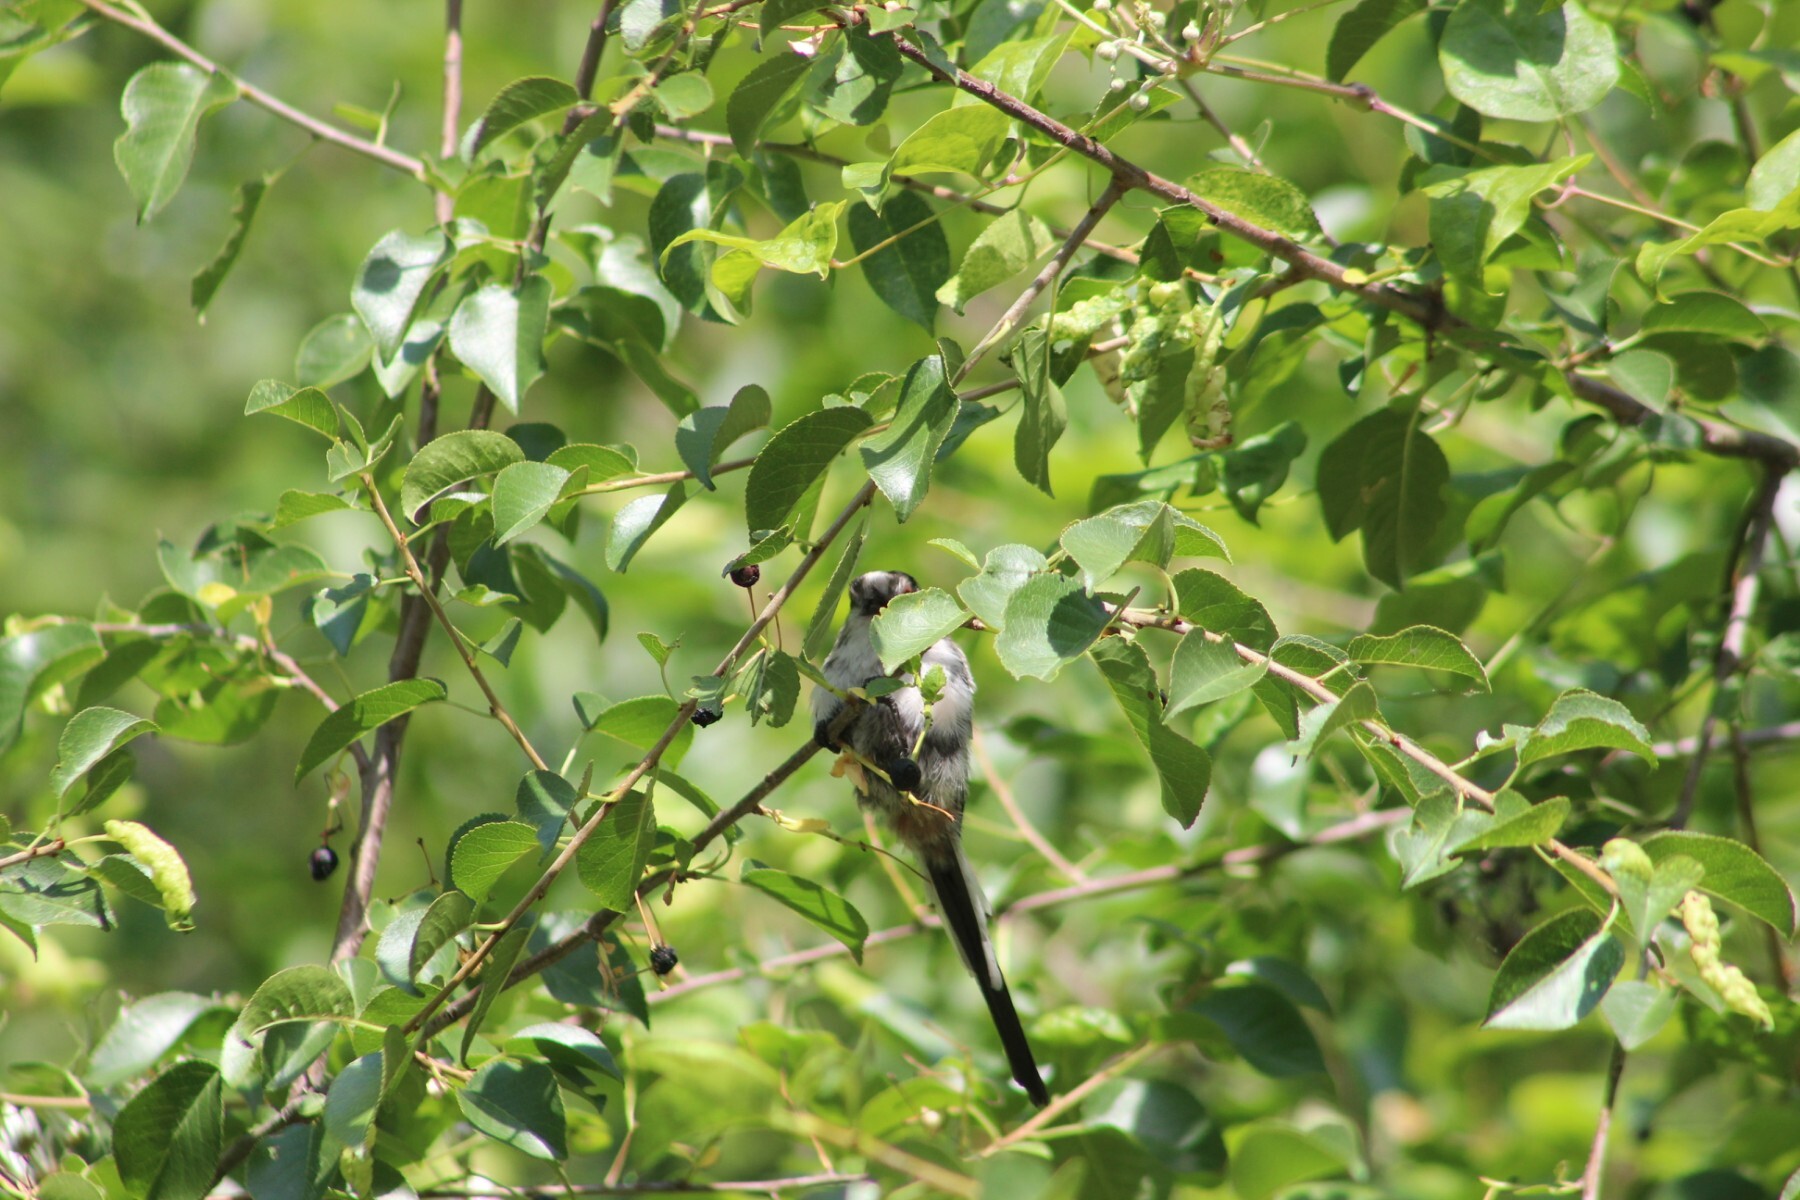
(792, 460)
(163, 106)
(1556, 974)
(824, 908)
(364, 714)
(611, 861)
(913, 623)
(518, 1105)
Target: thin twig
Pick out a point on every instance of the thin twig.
(1746, 560)
(53, 846)
(650, 1187)
(1003, 794)
(1596, 1162)
(249, 91)
(1062, 1103)
(592, 51)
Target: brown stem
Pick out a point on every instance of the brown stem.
(447, 136)
(592, 51)
(1746, 560)
(1027, 830)
(53, 846)
(1596, 1163)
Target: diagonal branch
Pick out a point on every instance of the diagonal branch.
(255, 95)
(1428, 312)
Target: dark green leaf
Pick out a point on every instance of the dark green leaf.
(494, 974)
(641, 722)
(1420, 646)
(1556, 974)
(900, 459)
(1263, 1025)
(34, 662)
(611, 861)
(305, 993)
(364, 714)
(637, 521)
(1050, 622)
(1357, 31)
(453, 459)
(523, 493)
(448, 916)
(391, 281)
(1385, 476)
(907, 273)
(143, 1032)
(1183, 770)
(759, 95)
(520, 101)
(826, 909)
(1204, 671)
(1734, 873)
(351, 1103)
(207, 280)
(819, 629)
(1044, 415)
(793, 460)
(167, 1139)
(518, 1105)
(91, 735)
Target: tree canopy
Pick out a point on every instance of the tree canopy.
(1350, 440)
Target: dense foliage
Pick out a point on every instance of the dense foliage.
(1350, 440)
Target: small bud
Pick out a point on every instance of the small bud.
(1117, 85)
(1102, 5)
(1156, 20)
(1107, 51)
(323, 863)
(705, 716)
(1190, 32)
(1139, 102)
(663, 959)
(747, 576)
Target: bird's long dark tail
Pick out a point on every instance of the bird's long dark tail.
(964, 910)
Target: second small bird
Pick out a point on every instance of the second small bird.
(929, 820)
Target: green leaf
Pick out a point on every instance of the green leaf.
(1744, 225)
(1269, 1158)
(1044, 414)
(494, 973)
(1213, 602)
(1146, 531)
(580, 1059)
(481, 855)
(306, 406)
(163, 106)
(1734, 873)
(1050, 622)
(1420, 646)
(90, 736)
(364, 714)
(961, 139)
(1518, 822)
(305, 993)
(520, 101)
(1266, 200)
(1385, 476)
(523, 493)
(336, 349)
(854, 77)
(167, 1138)
(702, 436)
(32, 663)
(1007, 245)
(637, 521)
(448, 916)
(142, 1033)
(1347, 711)
(1710, 314)
(640, 723)
(454, 459)
(1475, 212)
(1556, 974)
(908, 273)
(684, 95)
(1183, 770)
(1003, 572)
(818, 630)
(1254, 469)
(518, 1105)
(792, 461)
(1204, 671)
(759, 96)
(498, 333)
(1358, 30)
(803, 247)
(207, 279)
(1522, 60)
(913, 623)
(602, 462)
(1263, 1025)
(611, 861)
(900, 459)
(1775, 175)
(1582, 720)
(391, 281)
(353, 1099)
(824, 908)
(1638, 1010)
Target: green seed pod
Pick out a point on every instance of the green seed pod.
(167, 871)
(1732, 985)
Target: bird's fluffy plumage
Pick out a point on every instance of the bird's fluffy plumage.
(929, 820)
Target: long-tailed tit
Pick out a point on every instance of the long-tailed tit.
(931, 762)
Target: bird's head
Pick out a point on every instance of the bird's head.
(870, 592)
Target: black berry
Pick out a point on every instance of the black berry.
(705, 716)
(324, 862)
(746, 576)
(663, 959)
